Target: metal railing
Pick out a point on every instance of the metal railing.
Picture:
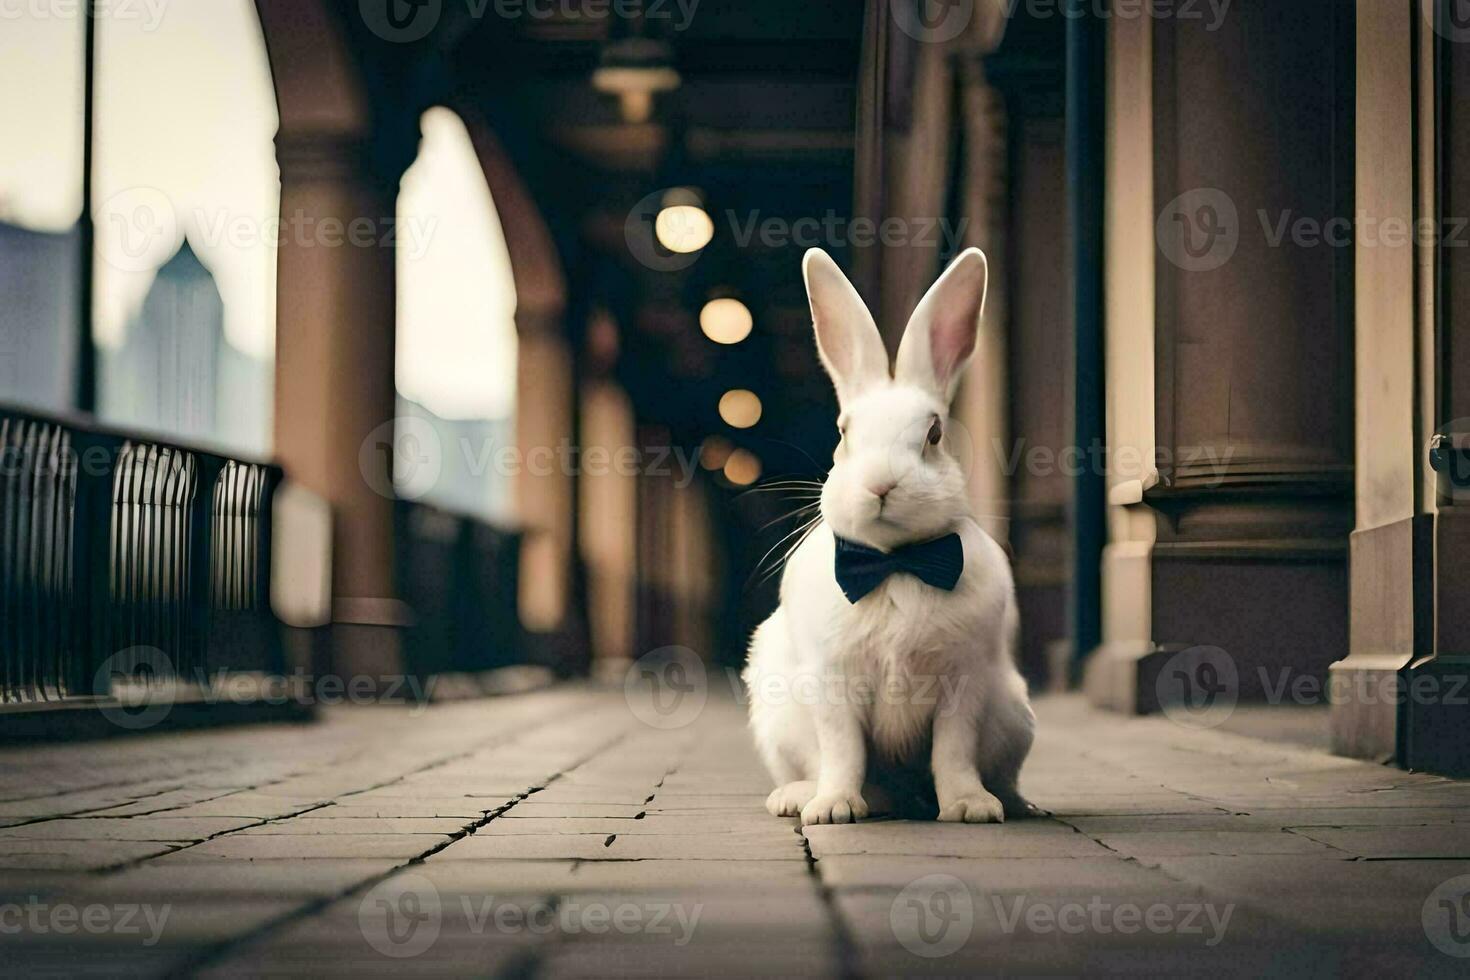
(460, 576)
(127, 554)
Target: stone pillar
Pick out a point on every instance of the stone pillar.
(1231, 531)
(544, 485)
(609, 518)
(1403, 693)
(334, 384)
(334, 396)
(980, 405)
(1029, 248)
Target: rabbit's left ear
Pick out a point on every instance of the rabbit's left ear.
(940, 337)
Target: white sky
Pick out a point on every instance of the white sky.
(456, 297)
(186, 119)
(185, 114)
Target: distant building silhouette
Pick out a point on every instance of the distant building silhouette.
(176, 373)
(165, 375)
(38, 316)
(476, 475)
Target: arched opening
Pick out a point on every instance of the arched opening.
(186, 205)
(457, 345)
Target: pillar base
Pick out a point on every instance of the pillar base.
(1411, 715)
(367, 639)
(1125, 676)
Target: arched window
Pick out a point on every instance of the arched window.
(456, 357)
(186, 203)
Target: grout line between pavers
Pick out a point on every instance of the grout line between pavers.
(847, 953)
(220, 951)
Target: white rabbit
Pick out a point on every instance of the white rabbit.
(910, 676)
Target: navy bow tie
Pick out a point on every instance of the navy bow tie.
(861, 569)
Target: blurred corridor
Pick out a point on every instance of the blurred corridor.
(363, 356)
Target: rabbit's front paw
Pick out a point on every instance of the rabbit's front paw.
(834, 808)
(787, 801)
(980, 807)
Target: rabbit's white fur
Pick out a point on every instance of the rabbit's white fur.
(839, 690)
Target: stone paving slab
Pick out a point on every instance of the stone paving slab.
(534, 809)
(539, 847)
(281, 878)
(892, 873)
(1034, 838)
(425, 809)
(1438, 841)
(329, 823)
(240, 847)
(69, 855)
(177, 829)
(1207, 842)
(331, 855)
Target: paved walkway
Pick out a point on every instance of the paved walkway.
(558, 835)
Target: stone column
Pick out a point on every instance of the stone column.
(1230, 351)
(1403, 693)
(1029, 248)
(334, 393)
(981, 403)
(609, 518)
(544, 489)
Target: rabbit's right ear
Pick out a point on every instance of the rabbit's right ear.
(847, 337)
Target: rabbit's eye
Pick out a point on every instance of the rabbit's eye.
(935, 433)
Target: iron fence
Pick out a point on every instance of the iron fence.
(126, 554)
(460, 576)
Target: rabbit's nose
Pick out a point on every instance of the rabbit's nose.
(881, 490)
